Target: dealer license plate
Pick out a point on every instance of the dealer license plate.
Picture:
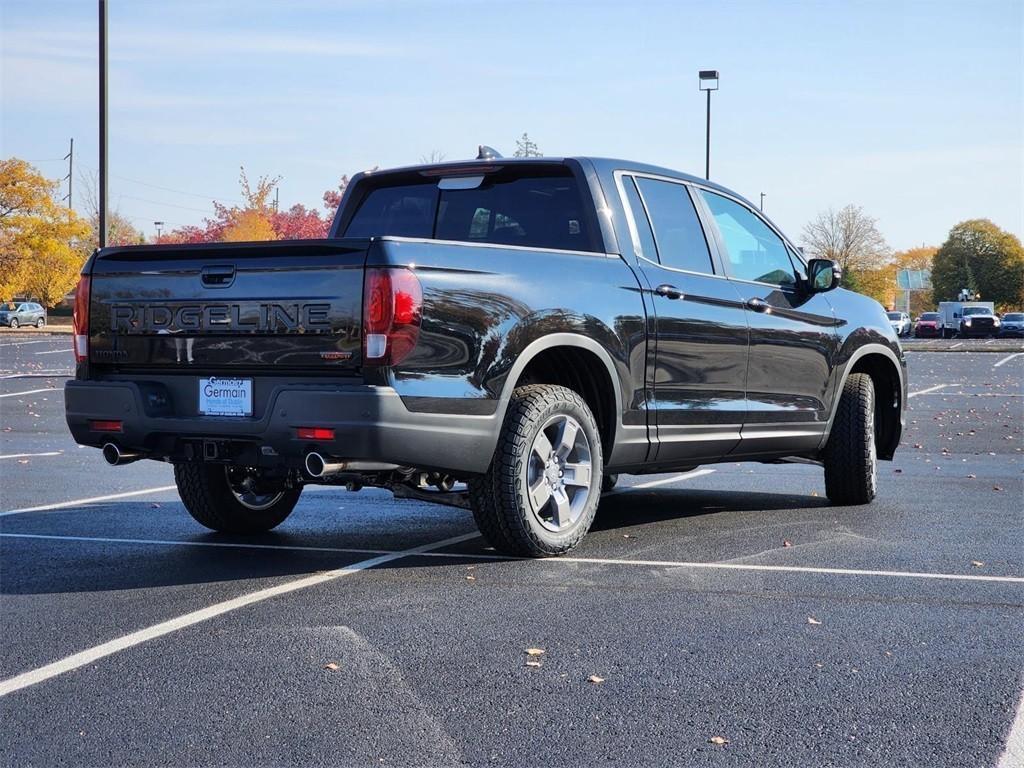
(225, 397)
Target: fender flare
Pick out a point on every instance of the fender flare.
(871, 348)
(550, 341)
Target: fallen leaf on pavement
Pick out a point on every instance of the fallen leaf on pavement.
(534, 651)
(996, 488)
(812, 620)
(471, 578)
(595, 679)
(786, 543)
(719, 740)
(532, 663)
(977, 563)
(331, 666)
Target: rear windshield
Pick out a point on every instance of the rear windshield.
(930, 316)
(540, 209)
(977, 311)
(895, 315)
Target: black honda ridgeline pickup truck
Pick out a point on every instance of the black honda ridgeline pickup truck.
(507, 335)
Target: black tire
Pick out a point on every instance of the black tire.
(14, 322)
(608, 482)
(208, 497)
(850, 457)
(40, 323)
(501, 499)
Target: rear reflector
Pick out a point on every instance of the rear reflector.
(105, 426)
(315, 433)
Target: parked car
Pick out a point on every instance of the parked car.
(506, 335)
(900, 322)
(927, 325)
(1012, 325)
(979, 321)
(26, 313)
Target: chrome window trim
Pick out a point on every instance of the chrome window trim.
(634, 233)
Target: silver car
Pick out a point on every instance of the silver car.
(24, 314)
(900, 322)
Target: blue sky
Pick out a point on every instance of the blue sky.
(913, 110)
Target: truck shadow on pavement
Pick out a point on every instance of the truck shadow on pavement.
(148, 557)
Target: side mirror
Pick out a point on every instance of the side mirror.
(823, 275)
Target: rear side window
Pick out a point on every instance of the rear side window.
(535, 210)
(643, 225)
(677, 230)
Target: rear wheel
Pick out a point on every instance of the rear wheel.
(850, 456)
(540, 494)
(40, 323)
(233, 499)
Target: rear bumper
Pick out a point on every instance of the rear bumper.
(370, 424)
(926, 330)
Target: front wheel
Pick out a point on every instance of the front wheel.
(540, 494)
(233, 499)
(14, 322)
(850, 456)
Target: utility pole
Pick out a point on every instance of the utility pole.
(103, 124)
(277, 199)
(762, 202)
(70, 157)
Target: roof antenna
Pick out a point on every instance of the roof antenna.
(487, 153)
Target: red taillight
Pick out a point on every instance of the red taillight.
(105, 426)
(392, 309)
(314, 433)
(80, 320)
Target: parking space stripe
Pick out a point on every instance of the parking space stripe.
(977, 577)
(1005, 360)
(30, 455)
(39, 375)
(1013, 753)
(91, 500)
(31, 392)
(664, 481)
(25, 343)
(926, 391)
(67, 351)
(90, 655)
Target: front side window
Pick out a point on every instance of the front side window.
(754, 251)
(677, 230)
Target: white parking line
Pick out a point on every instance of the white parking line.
(926, 391)
(67, 351)
(664, 481)
(24, 343)
(1013, 753)
(38, 375)
(30, 392)
(76, 502)
(90, 655)
(696, 565)
(1005, 360)
(30, 455)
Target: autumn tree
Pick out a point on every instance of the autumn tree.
(983, 258)
(39, 256)
(850, 238)
(526, 147)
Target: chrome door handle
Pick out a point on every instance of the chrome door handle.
(668, 291)
(759, 305)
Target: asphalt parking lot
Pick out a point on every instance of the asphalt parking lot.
(727, 616)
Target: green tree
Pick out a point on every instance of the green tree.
(980, 256)
(526, 147)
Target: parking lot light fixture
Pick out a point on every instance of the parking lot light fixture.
(707, 80)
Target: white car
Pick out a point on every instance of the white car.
(900, 322)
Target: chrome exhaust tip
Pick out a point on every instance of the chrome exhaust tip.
(318, 466)
(115, 457)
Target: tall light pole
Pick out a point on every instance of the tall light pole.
(762, 202)
(103, 125)
(708, 81)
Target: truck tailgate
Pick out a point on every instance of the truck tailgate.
(237, 307)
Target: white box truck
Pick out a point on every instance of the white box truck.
(967, 318)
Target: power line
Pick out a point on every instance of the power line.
(172, 205)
